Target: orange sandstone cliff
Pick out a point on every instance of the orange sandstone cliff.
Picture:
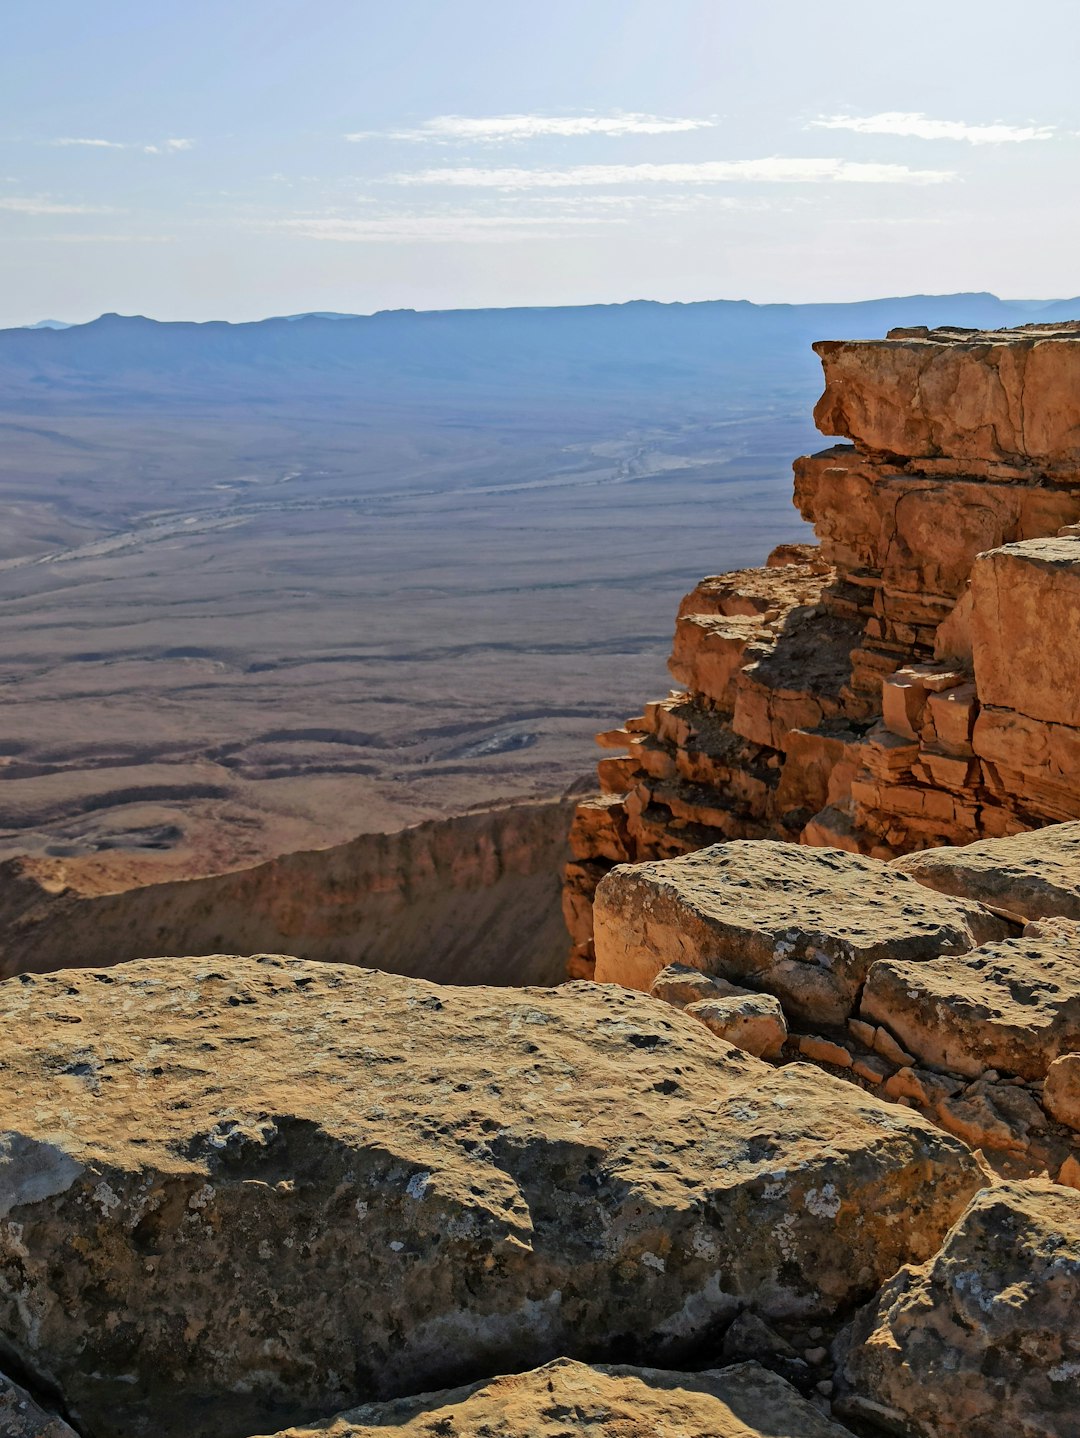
(913, 680)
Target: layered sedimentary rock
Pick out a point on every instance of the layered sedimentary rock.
(917, 995)
(565, 1398)
(910, 683)
(803, 924)
(238, 1193)
(473, 899)
(982, 1340)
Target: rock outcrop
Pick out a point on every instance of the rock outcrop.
(982, 1340)
(468, 900)
(21, 1416)
(911, 682)
(803, 924)
(565, 1398)
(914, 994)
(241, 1192)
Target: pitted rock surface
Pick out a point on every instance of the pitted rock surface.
(565, 1398)
(982, 1340)
(240, 1192)
(1013, 1006)
(803, 924)
(1035, 875)
(21, 1416)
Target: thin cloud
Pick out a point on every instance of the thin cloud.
(922, 127)
(37, 205)
(709, 172)
(457, 227)
(500, 129)
(164, 147)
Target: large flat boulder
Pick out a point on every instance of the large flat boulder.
(1012, 1006)
(1034, 875)
(565, 1398)
(982, 1340)
(801, 923)
(239, 1192)
(1007, 397)
(1025, 628)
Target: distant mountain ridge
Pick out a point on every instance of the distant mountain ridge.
(586, 355)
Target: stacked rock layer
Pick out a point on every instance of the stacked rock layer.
(910, 682)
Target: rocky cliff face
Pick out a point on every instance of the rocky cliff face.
(911, 681)
(468, 900)
(808, 1157)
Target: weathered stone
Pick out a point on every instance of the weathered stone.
(679, 984)
(761, 591)
(710, 650)
(1026, 628)
(903, 698)
(1012, 1006)
(1036, 875)
(804, 924)
(565, 1398)
(753, 1022)
(1061, 1092)
(1004, 397)
(22, 1417)
(824, 1051)
(599, 829)
(992, 1115)
(982, 1340)
(239, 1191)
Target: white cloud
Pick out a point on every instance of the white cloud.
(921, 127)
(460, 227)
(164, 147)
(39, 205)
(709, 172)
(497, 129)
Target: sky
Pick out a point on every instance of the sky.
(232, 159)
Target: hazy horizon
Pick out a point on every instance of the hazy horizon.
(275, 158)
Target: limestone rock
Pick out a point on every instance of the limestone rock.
(1026, 628)
(679, 984)
(242, 1191)
(800, 923)
(565, 1398)
(752, 1022)
(1061, 1092)
(1035, 875)
(1005, 397)
(1012, 1006)
(982, 1340)
(22, 1417)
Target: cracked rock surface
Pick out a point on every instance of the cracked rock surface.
(565, 1398)
(982, 1340)
(242, 1192)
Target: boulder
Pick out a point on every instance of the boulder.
(679, 984)
(21, 1416)
(1026, 628)
(1012, 1006)
(239, 1192)
(1061, 1092)
(565, 1398)
(752, 1022)
(998, 398)
(982, 1340)
(804, 924)
(1034, 875)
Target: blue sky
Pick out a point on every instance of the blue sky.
(249, 157)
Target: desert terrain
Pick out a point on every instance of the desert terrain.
(265, 587)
